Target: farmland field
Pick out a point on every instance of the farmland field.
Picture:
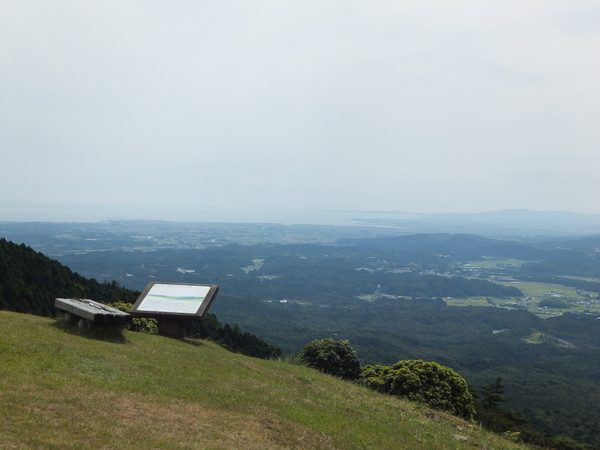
(535, 293)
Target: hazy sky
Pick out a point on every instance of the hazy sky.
(420, 106)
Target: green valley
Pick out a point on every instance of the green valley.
(524, 310)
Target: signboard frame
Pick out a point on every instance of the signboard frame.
(184, 301)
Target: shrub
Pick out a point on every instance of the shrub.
(143, 325)
(428, 382)
(332, 357)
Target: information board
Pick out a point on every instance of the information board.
(174, 299)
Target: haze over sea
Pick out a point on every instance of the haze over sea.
(31, 212)
(509, 223)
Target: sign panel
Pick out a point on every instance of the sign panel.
(174, 299)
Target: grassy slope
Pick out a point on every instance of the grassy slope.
(61, 390)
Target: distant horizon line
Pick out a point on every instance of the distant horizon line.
(515, 210)
(13, 211)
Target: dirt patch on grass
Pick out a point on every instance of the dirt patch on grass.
(80, 418)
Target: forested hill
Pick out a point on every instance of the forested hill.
(30, 281)
(467, 246)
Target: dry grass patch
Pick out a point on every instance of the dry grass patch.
(76, 417)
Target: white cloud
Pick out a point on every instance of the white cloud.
(422, 106)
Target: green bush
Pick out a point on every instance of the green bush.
(138, 324)
(332, 357)
(427, 382)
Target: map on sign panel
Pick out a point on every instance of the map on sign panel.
(175, 298)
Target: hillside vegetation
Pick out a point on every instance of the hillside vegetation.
(30, 281)
(135, 390)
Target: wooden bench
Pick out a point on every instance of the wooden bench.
(91, 312)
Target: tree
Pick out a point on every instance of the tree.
(427, 382)
(332, 357)
(500, 420)
(233, 339)
(493, 394)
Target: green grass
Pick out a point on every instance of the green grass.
(479, 301)
(533, 292)
(496, 263)
(61, 390)
(538, 289)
